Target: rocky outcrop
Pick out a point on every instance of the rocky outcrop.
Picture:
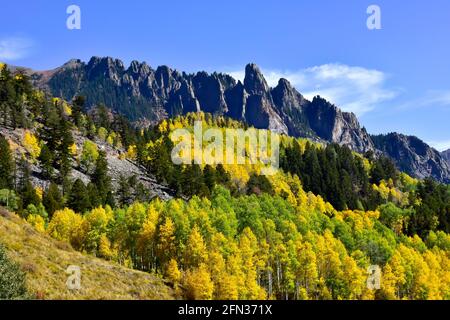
(331, 124)
(146, 96)
(446, 155)
(290, 104)
(413, 156)
(260, 109)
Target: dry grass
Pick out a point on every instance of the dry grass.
(45, 261)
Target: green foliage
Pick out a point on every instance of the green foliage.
(9, 199)
(78, 199)
(46, 160)
(52, 199)
(258, 184)
(89, 155)
(102, 180)
(12, 279)
(6, 165)
(333, 172)
(431, 208)
(260, 246)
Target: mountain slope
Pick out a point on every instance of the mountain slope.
(141, 92)
(45, 261)
(446, 155)
(117, 166)
(147, 95)
(413, 156)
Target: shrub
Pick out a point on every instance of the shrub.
(12, 279)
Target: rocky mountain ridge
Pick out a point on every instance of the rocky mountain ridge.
(149, 95)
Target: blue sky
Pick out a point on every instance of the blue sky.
(395, 79)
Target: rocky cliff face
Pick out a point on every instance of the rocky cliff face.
(146, 95)
(446, 155)
(413, 156)
(331, 124)
(139, 92)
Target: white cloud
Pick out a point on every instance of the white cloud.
(14, 48)
(354, 89)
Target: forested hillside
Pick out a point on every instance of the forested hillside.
(308, 232)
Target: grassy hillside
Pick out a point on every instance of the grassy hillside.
(45, 260)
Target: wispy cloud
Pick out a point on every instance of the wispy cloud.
(440, 145)
(431, 99)
(352, 88)
(14, 48)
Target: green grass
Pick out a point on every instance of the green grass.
(45, 262)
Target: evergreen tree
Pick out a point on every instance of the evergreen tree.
(52, 199)
(6, 165)
(258, 184)
(46, 161)
(79, 198)
(78, 109)
(101, 179)
(124, 192)
(94, 198)
(209, 176)
(26, 190)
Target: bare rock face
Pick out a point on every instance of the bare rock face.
(331, 124)
(290, 104)
(446, 155)
(260, 109)
(236, 98)
(210, 93)
(414, 156)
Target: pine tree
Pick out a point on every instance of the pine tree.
(52, 199)
(25, 187)
(209, 176)
(46, 161)
(79, 198)
(78, 109)
(124, 191)
(6, 165)
(101, 179)
(258, 184)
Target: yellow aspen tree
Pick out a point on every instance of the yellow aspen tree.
(146, 239)
(354, 278)
(37, 222)
(166, 247)
(65, 226)
(195, 252)
(248, 247)
(307, 274)
(173, 274)
(198, 283)
(225, 285)
(32, 145)
(388, 284)
(104, 249)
